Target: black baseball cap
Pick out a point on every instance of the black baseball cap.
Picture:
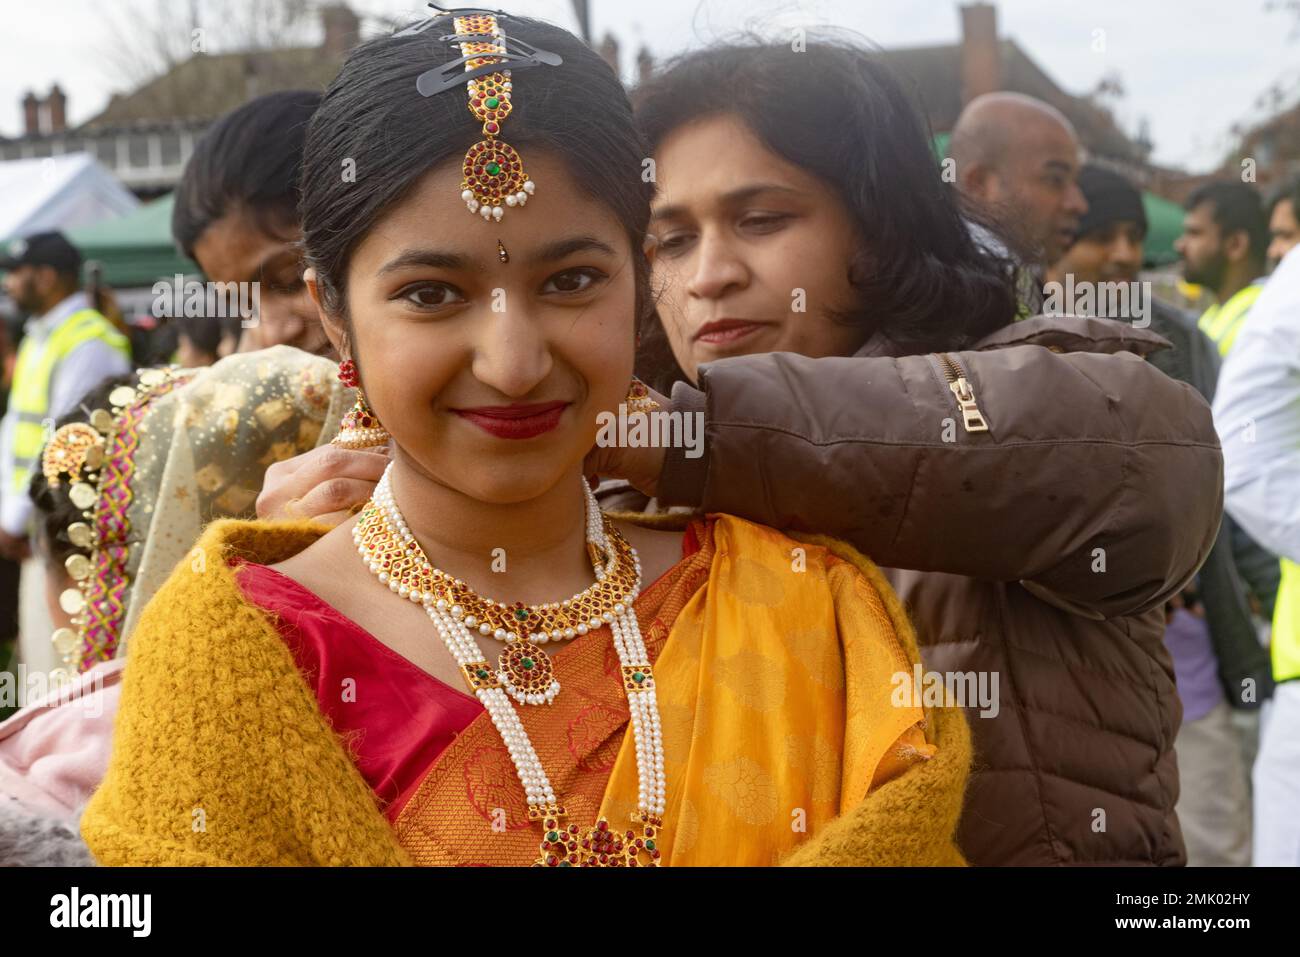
(41, 249)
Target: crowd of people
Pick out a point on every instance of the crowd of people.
(270, 563)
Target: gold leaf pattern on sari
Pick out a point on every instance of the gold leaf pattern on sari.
(308, 434)
(278, 452)
(229, 424)
(744, 786)
(687, 828)
(229, 396)
(273, 413)
(210, 477)
(491, 784)
(755, 679)
(818, 764)
(679, 723)
(595, 736)
(754, 583)
(819, 654)
(688, 635)
(610, 663)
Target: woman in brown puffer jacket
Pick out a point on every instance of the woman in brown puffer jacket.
(1038, 487)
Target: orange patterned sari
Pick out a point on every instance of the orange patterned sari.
(775, 667)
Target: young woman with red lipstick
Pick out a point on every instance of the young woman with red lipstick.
(519, 421)
(852, 354)
(480, 667)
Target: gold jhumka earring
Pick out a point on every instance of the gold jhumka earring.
(360, 428)
(638, 399)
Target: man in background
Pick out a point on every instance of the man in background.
(1018, 158)
(1225, 236)
(236, 215)
(67, 347)
(8, 567)
(1257, 415)
(1218, 659)
(1284, 222)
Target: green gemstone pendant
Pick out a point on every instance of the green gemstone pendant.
(526, 673)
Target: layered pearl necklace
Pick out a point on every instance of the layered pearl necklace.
(389, 549)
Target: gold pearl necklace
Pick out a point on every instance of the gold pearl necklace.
(384, 542)
(389, 548)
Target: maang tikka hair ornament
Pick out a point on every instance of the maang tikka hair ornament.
(494, 174)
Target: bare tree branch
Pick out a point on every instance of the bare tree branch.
(146, 39)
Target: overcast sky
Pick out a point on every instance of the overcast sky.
(1191, 68)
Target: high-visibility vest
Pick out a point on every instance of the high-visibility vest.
(34, 370)
(1286, 624)
(1222, 325)
(1222, 322)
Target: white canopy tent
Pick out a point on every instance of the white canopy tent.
(58, 192)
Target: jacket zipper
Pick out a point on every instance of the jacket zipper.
(971, 416)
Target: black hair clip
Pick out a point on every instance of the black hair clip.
(517, 55)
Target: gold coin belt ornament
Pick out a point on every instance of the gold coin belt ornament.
(98, 460)
(494, 176)
(388, 548)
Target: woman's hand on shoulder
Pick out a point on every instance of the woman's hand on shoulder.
(325, 484)
(639, 465)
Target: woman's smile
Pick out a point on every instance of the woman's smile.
(518, 421)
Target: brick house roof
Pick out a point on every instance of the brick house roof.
(935, 75)
(206, 86)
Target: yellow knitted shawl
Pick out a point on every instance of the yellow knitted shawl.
(222, 756)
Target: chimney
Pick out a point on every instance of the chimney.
(342, 29)
(31, 115)
(57, 106)
(252, 68)
(608, 51)
(981, 56)
(645, 65)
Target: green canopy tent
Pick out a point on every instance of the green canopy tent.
(940, 145)
(1164, 225)
(135, 249)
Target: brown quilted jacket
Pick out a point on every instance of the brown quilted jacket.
(1040, 550)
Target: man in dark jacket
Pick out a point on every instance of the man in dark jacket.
(1220, 663)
